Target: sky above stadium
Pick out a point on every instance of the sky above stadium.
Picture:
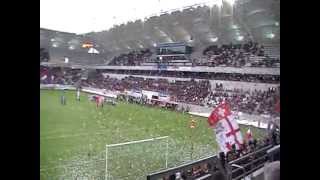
(82, 16)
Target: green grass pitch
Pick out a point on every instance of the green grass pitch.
(73, 138)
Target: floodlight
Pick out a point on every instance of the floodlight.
(215, 39)
(240, 38)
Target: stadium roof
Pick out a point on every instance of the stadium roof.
(198, 25)
(82, 16)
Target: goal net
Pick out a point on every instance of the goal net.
(135, 159)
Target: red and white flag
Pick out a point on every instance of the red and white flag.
(226, 127)
(44, 77)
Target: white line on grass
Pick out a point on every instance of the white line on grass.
(70, 165)
(74, 135)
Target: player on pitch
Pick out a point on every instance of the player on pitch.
(63, 98)
(99, 101)
(78, 94)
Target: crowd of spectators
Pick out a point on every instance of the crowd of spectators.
(59, 76)
(252, 145)
(237, 55)
(192, 91)
(229, 55)
(183, 91)
(266, 62)
(255, 78)
(133, 58)
(251, 102)
(193, 173)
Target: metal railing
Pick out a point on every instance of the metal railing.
(214, 170)
(247, 164)
(233, 170)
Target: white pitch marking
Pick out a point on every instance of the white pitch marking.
(74, 135)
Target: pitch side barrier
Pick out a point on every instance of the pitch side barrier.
(233, 170)
(84, 89)
(57, 87)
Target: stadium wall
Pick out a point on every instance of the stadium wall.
(243, 70)
(101, 92)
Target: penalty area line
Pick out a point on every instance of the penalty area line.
(74, 135)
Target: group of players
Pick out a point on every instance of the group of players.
(98, 99)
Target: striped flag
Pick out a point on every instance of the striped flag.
(44, 77)
(226, 128)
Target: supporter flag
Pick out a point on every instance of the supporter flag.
(226, 127)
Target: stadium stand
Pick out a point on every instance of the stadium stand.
(44, 55)
(259, 78)
(272, 50)
(133, 58)
(193, 92)
(236, 55)
(256, 102)
(250, 54)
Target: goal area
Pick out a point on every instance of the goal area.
(135, 159)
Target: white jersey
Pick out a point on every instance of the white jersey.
(78, 94)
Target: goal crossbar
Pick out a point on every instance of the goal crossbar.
(134, 142)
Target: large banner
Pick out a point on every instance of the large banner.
(164, 97)
(150, 94)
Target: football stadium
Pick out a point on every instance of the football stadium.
(188, 90)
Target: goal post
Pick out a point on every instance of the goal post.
(144, 144)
